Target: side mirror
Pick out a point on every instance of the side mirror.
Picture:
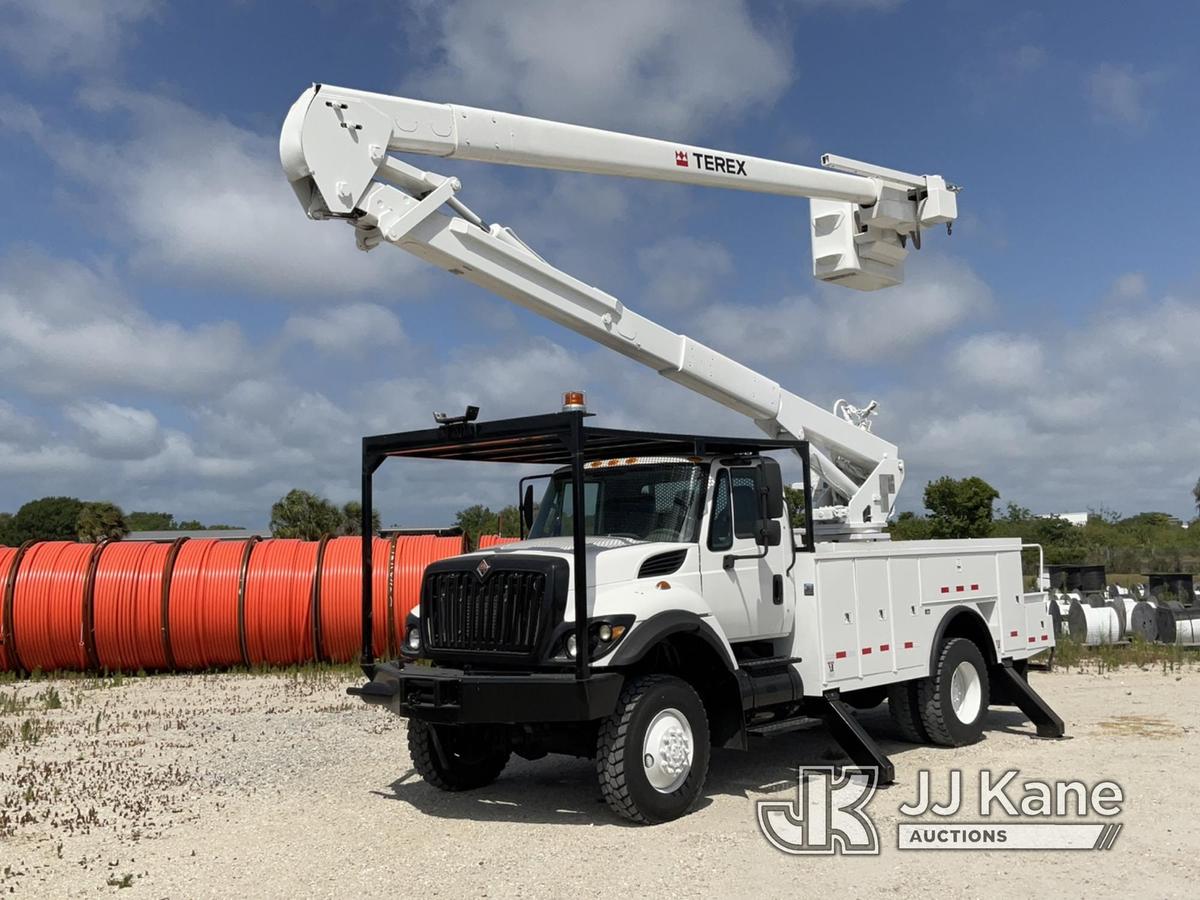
(770, 533)
(773, 488)
(527, 510)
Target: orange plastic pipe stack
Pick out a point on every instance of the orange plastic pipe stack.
(127, 606)
(412, 551)
(74, 606)
(279, 595)
(7, 557)
(413, 554)
(341, 597)
(494, 540)
(203, 618)
(47, 607)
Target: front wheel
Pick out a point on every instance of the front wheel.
(456, 758)
(652, 752)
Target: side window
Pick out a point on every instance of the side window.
(745, 501)
(720, 527)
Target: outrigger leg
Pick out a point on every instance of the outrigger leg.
(1020, 694)
(853, 738)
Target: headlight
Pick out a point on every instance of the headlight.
(603, 635)
(413, 639)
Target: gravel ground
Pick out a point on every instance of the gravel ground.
(216, 785)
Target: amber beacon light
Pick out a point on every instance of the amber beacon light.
(574, 401)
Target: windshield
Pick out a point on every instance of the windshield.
(649, 502)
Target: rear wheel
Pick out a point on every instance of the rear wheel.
(652, 753)
(953, 700)
(456, 757)
(902, 703)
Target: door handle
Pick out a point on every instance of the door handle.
(777, 590)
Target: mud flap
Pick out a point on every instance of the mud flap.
(1017, 691)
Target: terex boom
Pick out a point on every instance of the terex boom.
(662, 602)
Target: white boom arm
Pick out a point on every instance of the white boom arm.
(334, 148)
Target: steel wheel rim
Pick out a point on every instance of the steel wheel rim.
(966, 692)
(667, 751)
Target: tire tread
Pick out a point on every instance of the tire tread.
(610, 746)
(933, 705)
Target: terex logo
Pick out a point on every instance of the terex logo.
(727, 164)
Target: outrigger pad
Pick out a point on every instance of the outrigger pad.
(1049, 725)
(859, 745)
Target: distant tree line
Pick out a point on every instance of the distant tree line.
(476, 520)
(72, 519)
(1148, 541)
(161, 521)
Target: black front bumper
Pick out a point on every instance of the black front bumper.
(455, 696)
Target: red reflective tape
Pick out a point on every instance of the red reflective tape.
(841, 654)
(908, 645)
(945, 590)
(884, 648)
(974, 587)
(960, 588)
(1045, 637)
(1012, 634)
(866, 651)
(1032, 639)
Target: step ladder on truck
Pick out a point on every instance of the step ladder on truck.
(681, 610)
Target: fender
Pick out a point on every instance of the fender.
(988, 649)
(662, 625)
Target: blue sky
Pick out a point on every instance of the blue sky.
(175, 335)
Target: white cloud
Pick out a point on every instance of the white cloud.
(850, 5)
(200, 196)
(1024, 59)
(116, 432)
(17, 428)
(666, 68)
(346, 329)
(1002, 361)
(1130, 286)
(682, 271)
(940, 295)
(1107, 420)
(1117, 94)
(52, 36)
(66, 328)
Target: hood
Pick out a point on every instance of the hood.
(609, 559)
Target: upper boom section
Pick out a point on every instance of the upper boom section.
(464, 132)
(862, 216)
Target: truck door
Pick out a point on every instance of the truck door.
(747, 598)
